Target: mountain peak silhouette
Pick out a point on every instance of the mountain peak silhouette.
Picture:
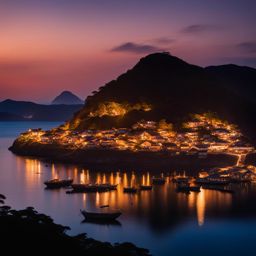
(67, 98)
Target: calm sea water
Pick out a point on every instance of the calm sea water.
(166, 222)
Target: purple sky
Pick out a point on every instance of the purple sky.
(48, 46)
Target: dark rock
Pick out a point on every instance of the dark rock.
(28, 233)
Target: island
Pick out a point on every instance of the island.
(163, 113)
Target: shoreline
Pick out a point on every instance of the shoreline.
(106, 159)
(18, 227)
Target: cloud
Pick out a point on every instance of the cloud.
(248, 47)
(136, 48)
(163, 40)
(198, 28)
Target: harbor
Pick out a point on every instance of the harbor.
(149, 216)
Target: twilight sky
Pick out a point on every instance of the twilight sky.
(47, 46)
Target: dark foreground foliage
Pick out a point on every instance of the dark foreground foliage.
(27, 232)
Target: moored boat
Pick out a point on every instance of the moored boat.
(57, 183)
(107, 186)
(130, 190)
(101, 215)
(108, 222)
(90, 188)
(145, 187)
(84, 188)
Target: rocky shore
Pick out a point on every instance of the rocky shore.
(105, 158)
(27, 232)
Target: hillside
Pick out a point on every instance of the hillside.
(240, 80)
(67, 98)
(23, 110)
(162, 113)
(163, 86)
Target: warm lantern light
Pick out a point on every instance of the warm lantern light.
(200, 205)
(117, 109)
(204, 134)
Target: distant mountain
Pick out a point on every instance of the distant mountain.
(162, 86)
(67, 98)
(22, 110)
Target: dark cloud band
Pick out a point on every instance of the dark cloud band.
(136, 48)
(249, 46)
(199, 28)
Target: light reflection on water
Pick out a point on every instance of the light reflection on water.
(34, 172)
(161, 220)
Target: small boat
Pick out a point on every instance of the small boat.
(107, 186)
(101, 215)
(158, 181)
(145, 187)
(130, 189)
(57, 183)
(102, 222)
(84, 188)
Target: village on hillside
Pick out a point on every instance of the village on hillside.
(202, 135)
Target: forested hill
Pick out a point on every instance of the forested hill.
(162, 86)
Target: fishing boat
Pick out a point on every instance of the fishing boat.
(84, 188)
(145, 187)
(107, 186)
(102, 215)
(158, 180)
(57, 183)
(107, 222)
(130, 190)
